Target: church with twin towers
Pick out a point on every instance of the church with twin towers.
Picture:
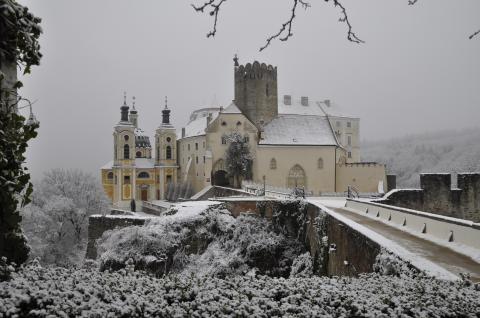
(295, 141)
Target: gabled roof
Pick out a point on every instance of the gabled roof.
(197, 126)
(298, 130)
(296, 107)
(232, 109)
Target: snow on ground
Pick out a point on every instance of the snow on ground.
(334, 202)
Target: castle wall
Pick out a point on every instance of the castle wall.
(224, 125)
(345, 127)
(98, 224)
(362, 175)
(436, 196)
(317, 179)
(193, 147)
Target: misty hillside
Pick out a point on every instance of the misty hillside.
(447, 151)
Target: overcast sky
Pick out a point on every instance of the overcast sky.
(416, 72)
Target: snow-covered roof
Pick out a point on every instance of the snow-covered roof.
(232, 109)
(335, 110)
(298, 130)
(108, 165)
(296, 107)
(197, 126)
(312, 107)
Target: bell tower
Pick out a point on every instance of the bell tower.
(123, 155)
(165, 154)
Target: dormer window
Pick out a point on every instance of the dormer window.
(304, 101)
(287, 99)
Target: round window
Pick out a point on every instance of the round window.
(125, 137)
(169, 139)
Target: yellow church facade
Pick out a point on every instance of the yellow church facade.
(136, 173)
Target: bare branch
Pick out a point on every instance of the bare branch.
(214, 5)
(287, 26)
(474, 34)
(351, 36)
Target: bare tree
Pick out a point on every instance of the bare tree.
(56, 221)
(212, 7)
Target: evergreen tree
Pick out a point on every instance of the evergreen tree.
(238, 158)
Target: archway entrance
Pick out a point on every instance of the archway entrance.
(220, 178)
(219, 174)
(144, 194)
(296, 177)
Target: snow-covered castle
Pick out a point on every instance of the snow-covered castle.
(294, 142)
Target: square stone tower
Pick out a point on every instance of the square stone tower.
(256, 92)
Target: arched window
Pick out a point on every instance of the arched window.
(273, 164)
(296, 177)
(168, 152)
(143, 175)
(126, 152)
(110, 175)
(320, 163)
(139, 154)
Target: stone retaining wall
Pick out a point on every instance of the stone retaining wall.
(437, 196)
(98, 224)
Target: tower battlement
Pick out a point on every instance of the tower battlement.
(256, 71)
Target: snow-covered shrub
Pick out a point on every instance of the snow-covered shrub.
(302, 266)
(6, 269)
(387, 263)
(39, 291)
(207, 242)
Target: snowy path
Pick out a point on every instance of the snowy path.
(440, 255)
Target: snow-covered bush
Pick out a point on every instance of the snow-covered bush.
(302, 266)
(207, 242)
(387, 263)
(39, 291)
(6, 268)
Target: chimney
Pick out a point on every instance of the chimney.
(287, 99)
(304, 101)
(183, 132)
(209, 118)
(327, 102)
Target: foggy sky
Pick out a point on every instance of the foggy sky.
(416, 72)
